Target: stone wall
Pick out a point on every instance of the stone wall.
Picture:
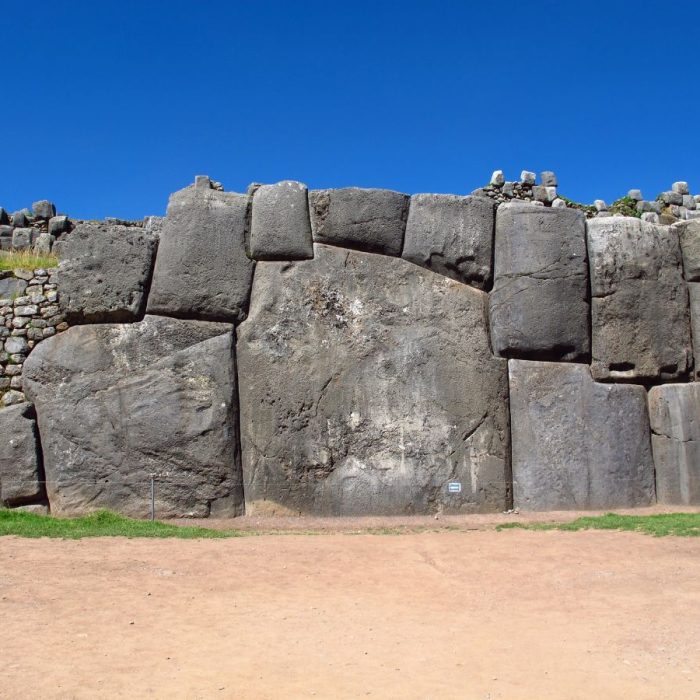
(356, 351)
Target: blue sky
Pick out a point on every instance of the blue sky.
(110, 106)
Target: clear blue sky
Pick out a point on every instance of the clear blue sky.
(110, 106)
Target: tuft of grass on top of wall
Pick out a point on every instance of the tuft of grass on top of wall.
(625, 206)
(662, 525)
(26, 260)
(102, 523)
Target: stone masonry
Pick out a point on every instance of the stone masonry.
(354, 352)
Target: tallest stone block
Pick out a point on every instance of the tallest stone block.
(202, 271)
(539, 304)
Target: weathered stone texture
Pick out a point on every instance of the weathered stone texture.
(674, 412)
(539, 305)
(367, 384)
(116, 403)
(202, 270)
(12, 287)
(366, 219)
(452, 235)
(20, 464)
(281, 227)
(689, 235)
(694, 297)
(105, 272)
(577, 444)
(640, 317)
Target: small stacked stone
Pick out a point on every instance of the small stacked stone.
(29, 313)
(676, 204)
(670, 207)
(32, 229)
(526, 189)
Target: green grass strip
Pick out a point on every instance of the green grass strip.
(26, 260)
(102, 523)
(675, 524)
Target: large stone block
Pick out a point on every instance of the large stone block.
(452, 235)
(367, 386)
(202, 270)
(674, 413)
(539, 305)
(20, 463)
(694, 298)
(117, 403)
(105, 272)
(365, 219)
(281, 227)
(640, 317)
(689, 235)
(577, 444)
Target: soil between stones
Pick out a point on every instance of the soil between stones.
(482, 614)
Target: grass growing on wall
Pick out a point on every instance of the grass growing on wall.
(677, 524)
(100, 524)
(26, 260)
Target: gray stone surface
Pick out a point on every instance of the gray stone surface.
(281, 227)
(367, 385)
(539, 304)
(694, 297)
(452, 235)
(548, 179)
(577, 444)
(119, 402)
(689, 236)
(674, 413)
(44, 209)
(43, 244)
(22, 238)
(20, 219)
(12, 288)
(202, 270)
(20, 463)
(366, 219)
(58, 225)
(105, 272)
(497, 178)
(640, 317)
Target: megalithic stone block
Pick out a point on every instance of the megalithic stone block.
(119, 402)
(367, 387)
(694, 298)
(577, 444)
(20, 462)
(281, 227)
(452, 235)
(539, 305)
(640, 315)
(689, 235)
(674, 412)
(104, 273)
(202, 270)
(365, 219)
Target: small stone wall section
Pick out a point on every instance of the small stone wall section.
(29, 312)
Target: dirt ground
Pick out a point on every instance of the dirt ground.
(462, 611)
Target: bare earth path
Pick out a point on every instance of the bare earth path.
(482, 614)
